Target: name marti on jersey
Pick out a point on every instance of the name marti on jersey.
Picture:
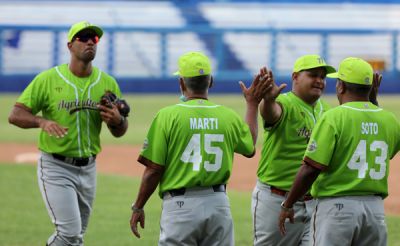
(204, 123)
(370, 128)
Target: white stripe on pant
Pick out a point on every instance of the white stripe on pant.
(68, 193)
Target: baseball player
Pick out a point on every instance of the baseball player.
(347, 164)
(68, 97)
(288, 121)
(188, 152)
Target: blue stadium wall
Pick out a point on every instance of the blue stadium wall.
(16, 83)
(390, 84)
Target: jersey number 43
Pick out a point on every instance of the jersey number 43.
(359, 159)
(192, 153)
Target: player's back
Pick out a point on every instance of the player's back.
(201, 138)
(366, 137)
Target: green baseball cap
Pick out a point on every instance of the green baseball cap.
(311, 61)
(193, 64)
(354, 70)
(77, 27)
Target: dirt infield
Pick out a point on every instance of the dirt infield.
(121, 160)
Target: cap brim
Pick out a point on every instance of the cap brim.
(333, 75)
(330, 69)
(96, 29)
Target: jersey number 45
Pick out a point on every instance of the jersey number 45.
(192, 153)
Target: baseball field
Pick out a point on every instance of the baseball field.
(24, 219)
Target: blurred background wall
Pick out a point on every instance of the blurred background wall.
(143, 39)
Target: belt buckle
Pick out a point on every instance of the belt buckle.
(69, 160)
(81, 161)
(219, 188)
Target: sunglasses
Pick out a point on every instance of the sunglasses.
(84, 38)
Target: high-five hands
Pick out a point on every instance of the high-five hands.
(262, 83)
(273, 90)
(376, 82)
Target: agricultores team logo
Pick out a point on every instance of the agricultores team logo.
(77, 105)
(304, 132)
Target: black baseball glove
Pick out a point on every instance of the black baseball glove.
(109, 98)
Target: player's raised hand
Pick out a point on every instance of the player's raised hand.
(53, 128)
(273, 90)
(255, 93)
(137, 216)
(376, 82)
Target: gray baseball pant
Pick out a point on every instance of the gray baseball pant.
(68, 192)
(349, 220)
(200, 217)
(266, 207)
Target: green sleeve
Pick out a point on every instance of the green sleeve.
(35, 95)
(155, 145)
(285, 105)
(397, 144)
(322, 142)
(115, 87)
(245, 144)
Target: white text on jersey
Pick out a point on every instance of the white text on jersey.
(204, 123)
(369, 128)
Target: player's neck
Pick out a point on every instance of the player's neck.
(191, 96)
(80, 69)
(196, 97)
(353, 98)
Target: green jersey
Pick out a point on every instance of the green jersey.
(354, 143)
(286, 141)
(71, 102)
(195, 141)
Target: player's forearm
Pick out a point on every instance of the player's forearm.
(150, 180)
(119, 130)
(270, 111)
(252, 120)
(304, 179)
(23, 118)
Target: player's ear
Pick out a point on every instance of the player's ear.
(211, 81)
(69, 45)
(294, 76)
(182, 85)
(340, 87)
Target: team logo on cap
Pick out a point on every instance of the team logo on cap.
(312, 146)
(366, 80)
(201, 71)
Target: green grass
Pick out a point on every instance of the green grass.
(144, 107)
(24, 220)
